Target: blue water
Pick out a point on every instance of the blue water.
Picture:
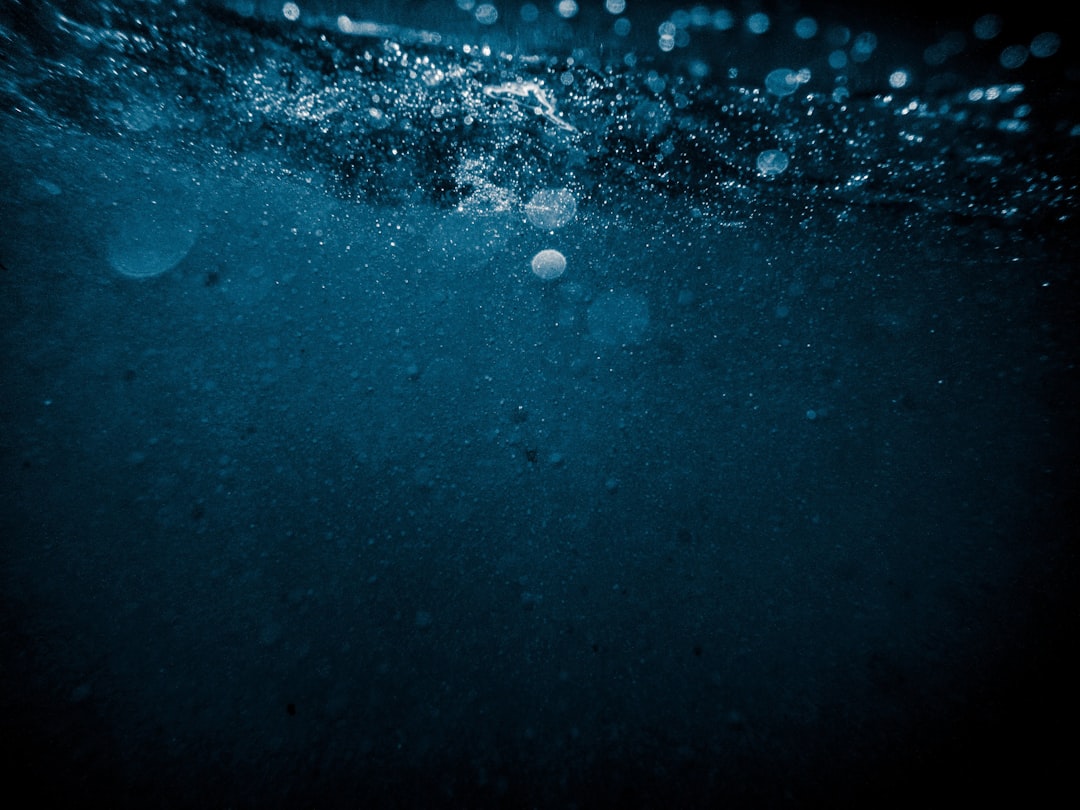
(454, 404)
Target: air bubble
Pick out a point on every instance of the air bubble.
(1013, 57)
(782, 82)
(772, 162)
(551, 209)
(147, 240)
(1045, 45)
(548, 264)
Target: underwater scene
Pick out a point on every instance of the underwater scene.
(559, 404)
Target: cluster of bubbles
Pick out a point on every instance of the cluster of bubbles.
(488, 13)
(845, 47)
(548, 210)
(614, 317)
(988, 28)
(674, 32)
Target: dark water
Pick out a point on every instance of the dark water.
(416, 409)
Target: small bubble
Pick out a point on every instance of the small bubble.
(486, 14)
(806, 28)
(698, 68)
(550, 209)
(548, 264)
(782, 82)
(723, 20)
(1013, 57)
(899, 79)
(772, 162)
(864, 46)
(1045, 45)
(758, 23)
(987, 26)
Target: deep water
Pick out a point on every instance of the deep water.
(454, 404)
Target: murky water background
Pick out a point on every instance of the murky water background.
(575, 404)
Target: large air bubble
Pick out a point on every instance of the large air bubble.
(151, 236)
(551, 208)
